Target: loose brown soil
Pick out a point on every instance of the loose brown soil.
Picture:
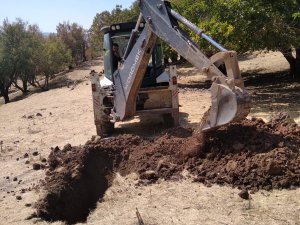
(249, 155)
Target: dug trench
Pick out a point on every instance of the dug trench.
(249, 155)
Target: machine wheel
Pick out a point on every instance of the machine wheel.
(105, 129)
(168, 120)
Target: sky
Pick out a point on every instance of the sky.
(47, 14)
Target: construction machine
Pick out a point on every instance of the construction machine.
(141, 84)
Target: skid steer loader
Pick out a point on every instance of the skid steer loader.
(142, 85)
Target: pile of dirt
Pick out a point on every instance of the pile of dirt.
(250, 154)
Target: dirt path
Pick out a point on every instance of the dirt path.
(65, 116)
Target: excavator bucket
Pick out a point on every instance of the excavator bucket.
(228, 105)
(230, 101)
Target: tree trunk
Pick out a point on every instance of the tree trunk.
(297, 66)
(4, 93)
(46, 86)
(294, 62)
(25, 86)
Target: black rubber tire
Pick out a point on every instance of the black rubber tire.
(168, 120)
(106, 128)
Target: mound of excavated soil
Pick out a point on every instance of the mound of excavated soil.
(250, 154)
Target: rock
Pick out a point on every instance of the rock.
(39, 114)
(43, 160)
(27, 204)
(18, 197)
(149, 175)
(89, 142)
(36, 166)
(35, 153)
(27, 162)
(26, 155)
(97, 139)
(30, 117)
(244, 194)
(15, 179)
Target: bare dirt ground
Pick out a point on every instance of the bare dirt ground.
(64, 115)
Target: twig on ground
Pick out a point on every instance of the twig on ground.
(141, 222)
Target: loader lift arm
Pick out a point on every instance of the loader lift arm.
(230, 101)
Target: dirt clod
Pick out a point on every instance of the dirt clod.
(43, 160)
(244, 194)
(36, 166)
(149, 175)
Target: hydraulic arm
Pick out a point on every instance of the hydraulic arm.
(230, 101)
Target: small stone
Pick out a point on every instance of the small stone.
(149, 175)
(43, 160)
(7, 177)
(35, 153)
(36, 166)
(97, 139)
(15, 179)
(26, 155)
(18, 197)
(27, 205)
(244, 194)
(27, 162)
(89, 142)
(39, 114)
(17, 159)
(30, 117)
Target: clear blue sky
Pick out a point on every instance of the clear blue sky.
(48, 13)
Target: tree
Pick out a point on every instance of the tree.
(11, 57)
(73, 36)
(55, 57)
(29, 53)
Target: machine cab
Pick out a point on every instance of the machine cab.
(120, 34)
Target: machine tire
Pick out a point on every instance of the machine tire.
(105, 129)
(168, 120)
